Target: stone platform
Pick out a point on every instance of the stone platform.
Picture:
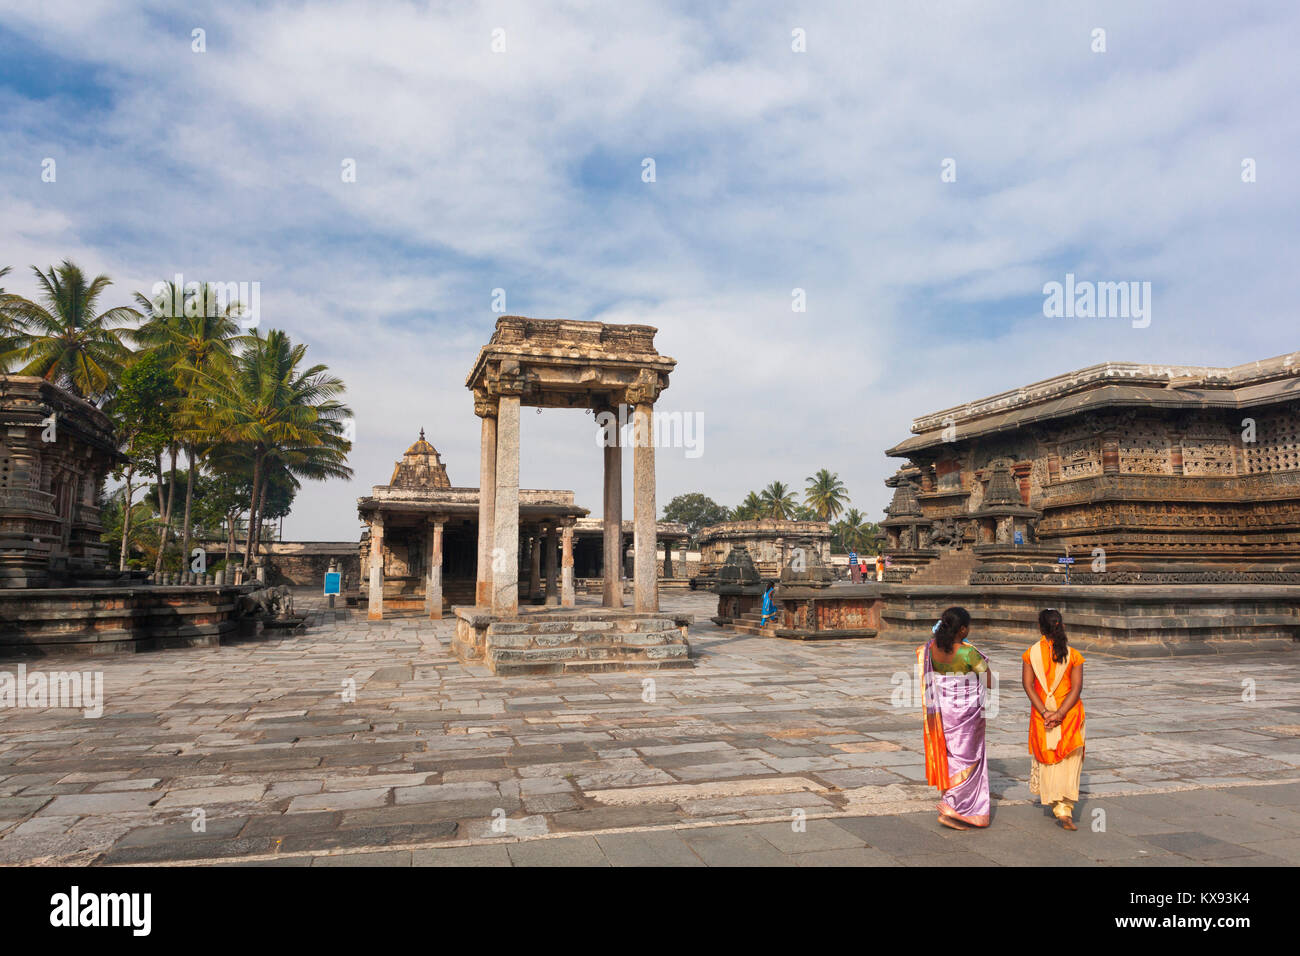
(1128, 620)
(35, 622)
(552, 640)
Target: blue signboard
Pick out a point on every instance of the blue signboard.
(1065, 560)
(1020, 537)
(333, 582)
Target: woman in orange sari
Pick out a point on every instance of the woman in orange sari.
(1052, 675)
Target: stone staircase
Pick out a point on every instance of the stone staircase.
(751, 623)
(585, 646)
(950, 568)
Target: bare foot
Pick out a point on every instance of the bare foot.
(952, 823)
(1067, 824)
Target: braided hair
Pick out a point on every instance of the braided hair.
(949, 626)
(1052, 627)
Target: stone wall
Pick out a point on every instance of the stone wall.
(304, 563)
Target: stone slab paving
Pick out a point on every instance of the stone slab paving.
(368, 743)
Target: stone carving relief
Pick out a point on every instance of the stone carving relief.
(1080, 459)
(1144, 449)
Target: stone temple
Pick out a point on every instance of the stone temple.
(1171, 474)
(1157, 507)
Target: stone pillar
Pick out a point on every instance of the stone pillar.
(535, 563)
(644, 573)
(487, 484)
(613, 516)
(433, 571)
(505, 517)
(566, 567)
(552, 584)
(668, 559)
(376, 609)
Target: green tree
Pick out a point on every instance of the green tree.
(142, 526)
(141, 411)
(825, 495)
(264, 400)
(696, 511)
(11, 330)
(856, 533)
(750, 509)
(189, 340)
(66, 341)
(778, 500)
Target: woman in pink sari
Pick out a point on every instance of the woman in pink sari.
(952, 695)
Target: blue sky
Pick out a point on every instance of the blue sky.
(775, 170)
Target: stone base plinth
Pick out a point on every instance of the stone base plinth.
(562, 641)
(835, 612)
(1130, 621)
(35, 622)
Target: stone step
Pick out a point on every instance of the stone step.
(544, 669)
(552, 625)
(585, 639)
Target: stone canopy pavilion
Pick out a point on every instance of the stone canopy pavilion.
(557, 363)
(420, 549)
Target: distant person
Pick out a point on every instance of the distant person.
(880, 567)
(769, 602)
(855, 569)
(952, 699)
(1052, 675)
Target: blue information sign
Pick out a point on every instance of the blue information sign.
(333, 582)
(1065, 560)
(1020, 537)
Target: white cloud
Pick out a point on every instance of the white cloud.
(775, 170)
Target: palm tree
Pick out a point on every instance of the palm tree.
(188, 344)
(66, 341)
(749, 509)
(778, 500)
(11, 331)
(826, 495)
(262, 398)
(856, 533)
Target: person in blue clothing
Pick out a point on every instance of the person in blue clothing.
(769, 602)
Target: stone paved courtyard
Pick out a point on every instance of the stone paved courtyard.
(439, 763)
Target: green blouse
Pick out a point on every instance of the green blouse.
(965, 660)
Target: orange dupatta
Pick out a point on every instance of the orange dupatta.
(1072, 729)
(936, 746)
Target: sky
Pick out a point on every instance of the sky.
(920, 170)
